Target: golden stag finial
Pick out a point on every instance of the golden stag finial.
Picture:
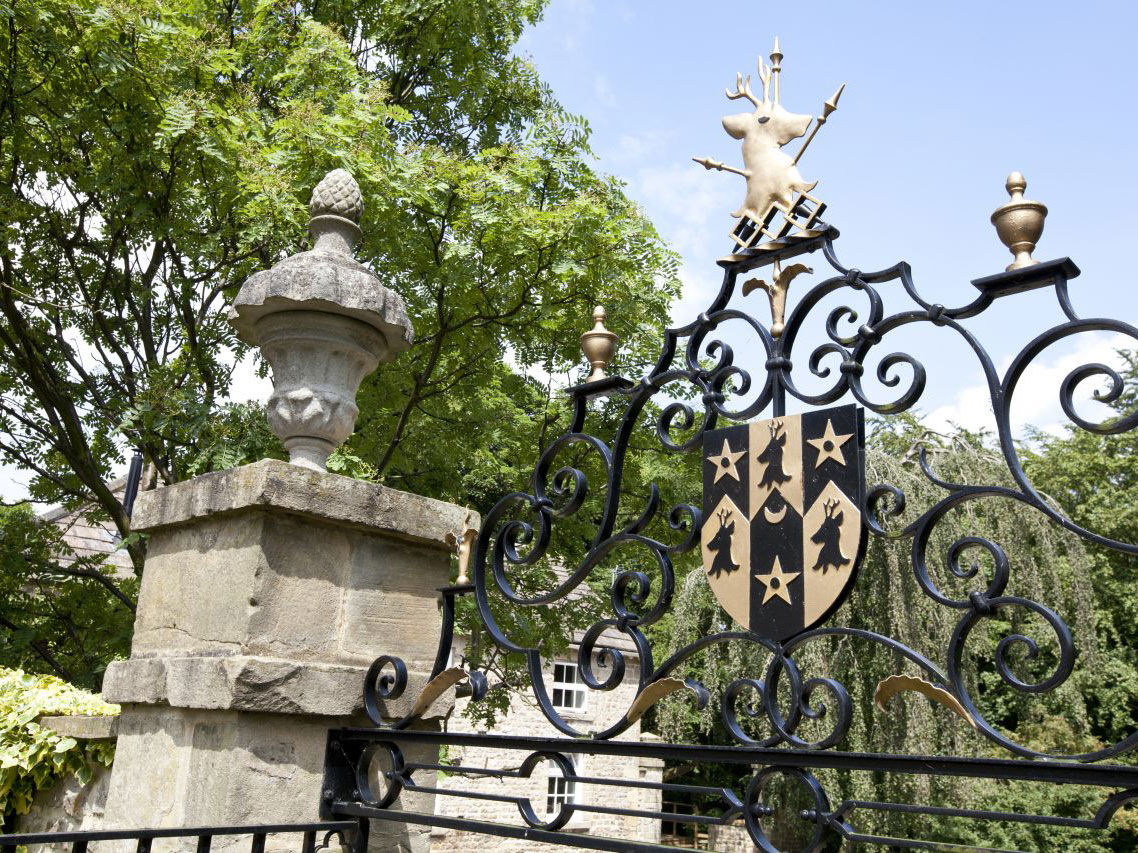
(773, 181)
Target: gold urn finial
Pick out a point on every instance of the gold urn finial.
(1019, 223)
(599, 345)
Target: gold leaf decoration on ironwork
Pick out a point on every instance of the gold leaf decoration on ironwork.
(778, 200)
(435, 688)
(465, 546)
(776, 292)
(652, 694)
(889, 687)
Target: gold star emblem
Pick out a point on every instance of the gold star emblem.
(829, 446)
(725, 462)
(776, 582)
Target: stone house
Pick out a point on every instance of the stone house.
(88, 538)
(546, 788)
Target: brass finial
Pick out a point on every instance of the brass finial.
(776, 66)
(1019, 223)
(465, 545)
(599, 345)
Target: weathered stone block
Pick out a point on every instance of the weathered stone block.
(81, 727)
(272, 560)
(268, 591)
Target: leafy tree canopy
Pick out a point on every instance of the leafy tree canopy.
(155, 154)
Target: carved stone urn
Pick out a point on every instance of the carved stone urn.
(324, 322)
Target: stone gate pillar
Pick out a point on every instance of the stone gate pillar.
(269, 589)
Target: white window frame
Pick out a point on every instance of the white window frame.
(560, 791)
(569, 692)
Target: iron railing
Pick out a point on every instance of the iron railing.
(315, 836)
(518, 531)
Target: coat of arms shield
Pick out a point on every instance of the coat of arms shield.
(782, 530)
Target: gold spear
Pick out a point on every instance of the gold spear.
(708, 163)
(827, 108)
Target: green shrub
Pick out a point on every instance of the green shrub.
(33, 758)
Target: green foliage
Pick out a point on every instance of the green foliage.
(158, 153)
(1094, 479)
(236, 434)
(58, 615)
(33, 758)
(1048, 565)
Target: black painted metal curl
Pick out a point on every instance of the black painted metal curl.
(518, 530)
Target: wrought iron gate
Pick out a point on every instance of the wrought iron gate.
(697, 383)
(782, 526)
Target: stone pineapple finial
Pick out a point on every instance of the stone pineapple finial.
(338, 195)
(323, 321)
(336, 208)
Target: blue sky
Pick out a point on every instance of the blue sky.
(942, 101)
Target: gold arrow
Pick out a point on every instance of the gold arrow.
(827, 108)
(708, 163)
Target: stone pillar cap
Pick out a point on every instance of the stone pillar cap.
(331, 498)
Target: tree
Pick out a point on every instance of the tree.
(1048, 565)
(157, 153)
(61, 614)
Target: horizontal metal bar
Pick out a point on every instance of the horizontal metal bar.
(1060, 772)
(173, 832)
(971, 814)
(890, 842)
(730, 809)
(529, 833)
(458, 769)
(648, 814)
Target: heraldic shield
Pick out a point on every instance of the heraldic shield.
(782, 525)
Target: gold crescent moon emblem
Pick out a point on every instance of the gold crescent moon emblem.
(774, 517)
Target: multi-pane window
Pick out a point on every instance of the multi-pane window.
(568, 691)
(561, 791)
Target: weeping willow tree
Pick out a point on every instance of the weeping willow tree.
(1048, 565)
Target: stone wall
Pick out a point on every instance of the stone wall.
(526, 719)
(730, 839)
(68, 806)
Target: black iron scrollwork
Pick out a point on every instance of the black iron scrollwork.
(518, 530)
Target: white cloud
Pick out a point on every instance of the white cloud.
(690, 212)
(1035, 401)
